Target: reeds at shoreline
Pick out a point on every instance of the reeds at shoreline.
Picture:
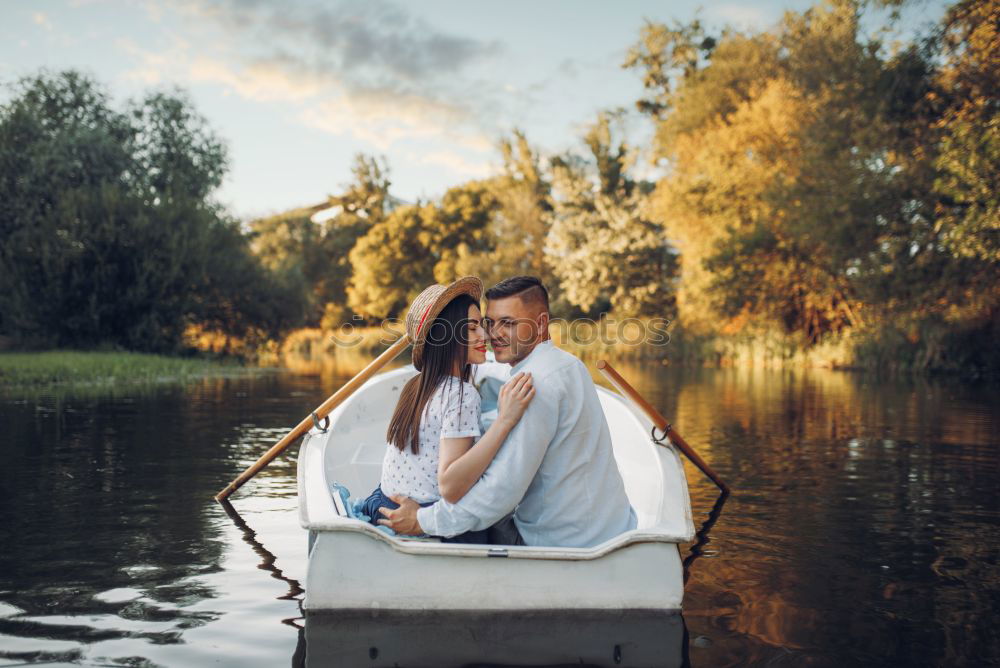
(33, 370)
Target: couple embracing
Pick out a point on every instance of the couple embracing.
(543, 473)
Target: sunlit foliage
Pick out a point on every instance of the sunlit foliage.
(818, 184)
(603, 247)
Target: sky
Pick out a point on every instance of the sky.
(296, 88)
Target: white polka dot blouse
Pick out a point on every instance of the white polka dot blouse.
(453, 411)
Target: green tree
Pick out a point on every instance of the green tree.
(364, 203)
(604, 249)
(242, 296)
(391, 264)
(518, 205)
(524, 193)
(968, 161)
(420, 244)
(108, 232)
(817, 183)
(463, 228)
(316, 256)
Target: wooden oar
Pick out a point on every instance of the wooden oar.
(659, 422)
(324, 409)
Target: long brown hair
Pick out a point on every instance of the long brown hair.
(447, 340)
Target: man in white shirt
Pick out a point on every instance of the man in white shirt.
(556, 471)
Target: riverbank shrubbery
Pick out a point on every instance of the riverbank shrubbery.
(970, 350)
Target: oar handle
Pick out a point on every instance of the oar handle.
(321, 412)
(659, 422)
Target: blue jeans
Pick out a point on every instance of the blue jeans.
(378, 500)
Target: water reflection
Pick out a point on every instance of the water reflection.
(334, 367)
(701, 537)
(68, 484)
(110, 547)
(863, 527)
(295, 589)
(847, 492)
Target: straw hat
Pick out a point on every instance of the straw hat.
(429, 304)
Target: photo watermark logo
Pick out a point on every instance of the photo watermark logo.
(611, 332)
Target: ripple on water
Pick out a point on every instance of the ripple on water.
(863, 527)
(8, 610)
(119, 595)
(39, 650)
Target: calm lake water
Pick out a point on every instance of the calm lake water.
(863, 529)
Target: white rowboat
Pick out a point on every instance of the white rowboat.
(354, 567)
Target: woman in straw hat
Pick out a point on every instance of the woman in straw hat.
(436, 448)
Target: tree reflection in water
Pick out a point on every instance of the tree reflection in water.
(295, 589)
(701, 538)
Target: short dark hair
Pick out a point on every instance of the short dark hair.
(528, 288)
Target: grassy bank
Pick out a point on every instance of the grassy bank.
(28, 370)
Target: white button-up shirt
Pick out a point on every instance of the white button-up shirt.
(556, 470)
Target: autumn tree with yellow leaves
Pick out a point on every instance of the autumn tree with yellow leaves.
(813, 183)
(819, 185)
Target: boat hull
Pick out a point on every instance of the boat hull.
(355, 567)
(475, 638)
(354, 571)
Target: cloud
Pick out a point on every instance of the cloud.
(379, 116)
(354, 40)
(154, 10)
(151, 66)
(360, 37)
(371, 70)
(263, 81)
(569, 68)
(386, 117)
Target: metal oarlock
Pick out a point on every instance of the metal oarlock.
(322, 428)
(659, 422)
(666, 432)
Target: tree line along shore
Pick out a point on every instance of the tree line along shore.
(813, 194)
